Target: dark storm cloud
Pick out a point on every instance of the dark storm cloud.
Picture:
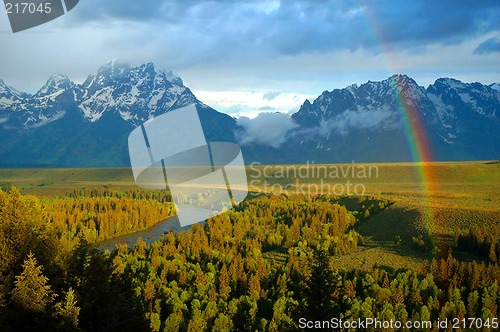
(295, 27)
(98, 10)
(291, 46)
(489, 46)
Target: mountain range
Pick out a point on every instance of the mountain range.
(87, 125)
(394, 119)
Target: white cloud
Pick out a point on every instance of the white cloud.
(358, 120)
(347, 120)
(267, 129)
(239, 103)
(273, 129)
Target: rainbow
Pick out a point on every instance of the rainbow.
(414, 129)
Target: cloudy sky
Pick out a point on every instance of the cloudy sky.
(244, 57)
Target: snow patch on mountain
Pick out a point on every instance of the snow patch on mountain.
(444, 111)
(44, 120)
(4, 102)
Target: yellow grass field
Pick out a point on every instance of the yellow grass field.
(458, 194)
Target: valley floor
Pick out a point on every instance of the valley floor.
(259, 265)
(456, 195)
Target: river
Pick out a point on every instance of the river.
(150, 235)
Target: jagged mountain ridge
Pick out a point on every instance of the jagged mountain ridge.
(135, 93)
(437, 104)
(87, 125)
(370, 122)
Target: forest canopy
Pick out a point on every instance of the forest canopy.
(218, 276)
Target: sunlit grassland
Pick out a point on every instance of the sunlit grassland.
(457, 195)
(473, 185)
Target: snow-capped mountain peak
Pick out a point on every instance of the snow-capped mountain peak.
(174, 79)
(9, 96)
(106, 75)
(55, 83)
(451, 83)
(449, 108)
(464, 97)
(136, 94)
(88, 124)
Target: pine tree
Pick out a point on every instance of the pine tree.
(386, 283)
(173, 322)
(416, 298)
(68, 309)
(493, 255)
(399, 297)
(200, 278)
(149, 293)
(31, 290)
(319, 287)
(223, 323)
(473, 304)
(254, 287)
(424, 313)
(243, 318)
(224, 280)
(349, 290)
(293, 235)
(197, 324)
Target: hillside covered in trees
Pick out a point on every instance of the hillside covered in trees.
(220, 276)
